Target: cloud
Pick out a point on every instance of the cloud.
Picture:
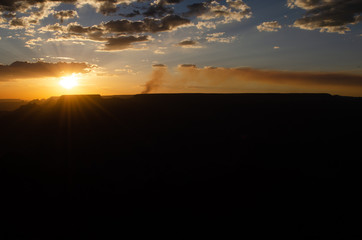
(273, 26)
(134, 13)
(105, 7)
(234, 10)
(328, 15)
(122, 43)
(187, 65)
(53, 28)
(160, 50)
(189, 44)
(159, 8)
(218, 37)
(206, 24)
(116, 35)
(33, 42)
(158, 65)
(63, 15)
(24, 70)
(167, 23)
(32, 12)
(17, 23)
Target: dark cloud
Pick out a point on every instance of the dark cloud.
(63, 15)
(160, 8)
(108, 7)
(21, 5)
(188, 44)
(234, 10)
(9, 15)
(22, 70)
(110, 32)
(131, 15)
(158, 11)
(159, 65)
(94, 33)
(17, 22)
(105, 7)
(187, 66)
(122, 43)
(328, 15)
(197, 9)
(150, 25)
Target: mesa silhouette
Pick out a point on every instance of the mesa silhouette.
(267, 160)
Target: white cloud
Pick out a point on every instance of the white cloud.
(272, 26)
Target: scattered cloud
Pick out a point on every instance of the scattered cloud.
(206, 24)
(160, 50)
(219, 37)
(33, 42)
(273, 26)
(333, 16)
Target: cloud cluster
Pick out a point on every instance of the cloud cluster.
(22, 70)
(150, 25)
(273, 26)
(33, 11)
(103, 6)
(219, 37)
(328, 15)
(117, 35)
(153, 17)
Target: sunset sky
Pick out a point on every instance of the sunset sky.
(109, 47)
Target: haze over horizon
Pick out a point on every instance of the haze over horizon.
(113, 47)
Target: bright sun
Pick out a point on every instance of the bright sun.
(69, 82)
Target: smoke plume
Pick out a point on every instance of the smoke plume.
(157, 78)
(188, 75)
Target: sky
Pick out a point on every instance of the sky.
(113, 47)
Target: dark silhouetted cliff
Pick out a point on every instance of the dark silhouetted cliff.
(285, 164)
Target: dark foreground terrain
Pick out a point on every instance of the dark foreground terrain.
(183, 166)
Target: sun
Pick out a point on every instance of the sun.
(69, 82)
